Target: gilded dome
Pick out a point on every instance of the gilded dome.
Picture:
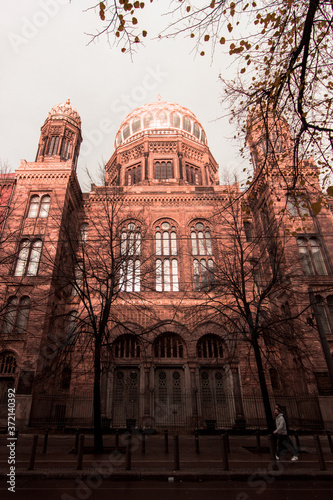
(161, 117)
(65, 110)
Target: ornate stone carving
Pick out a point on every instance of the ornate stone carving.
(132, 154)
(55, 130)
(192, 153)
(163, 147)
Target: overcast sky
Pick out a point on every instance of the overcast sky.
(45, 59)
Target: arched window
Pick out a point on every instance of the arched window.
(148, 120)
(33, 207)
(210, 346)
(28, 258)
(201, 239)
(196, 130)
(311, 256)
(16, 315)
(71, 329)
(45, 206)
(166, 269)
(175, 120)
(136, 124)
(163, 170)
(119, 139)
(168, 345)
(39, 208)
(193, 175)
(330, 307)
(187, 124)
(203, 269)
(7, 364)
(133, 175)
(126, 131)
(297, 206)
(78, 279)
(162, 118)
(53, 145)
(126, 346)
(248, 231)
(84, 228)
(65, 149)
(130, 249)
(324, 313)
(203, 272)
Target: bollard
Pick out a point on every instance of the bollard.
(46, 437)
(257, 433)
(76, 442)
(298, 444)
(166, 442)
(319, 452)
(329, 437)
(128, 451)
(272, 451)
(80, 452)
(224, 450)
(117, 439)
(176, 453)
(225, 433)
(33, 452)
(196, 437)
(143, 444)
(227, 441)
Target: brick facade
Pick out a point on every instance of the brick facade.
(167, 223)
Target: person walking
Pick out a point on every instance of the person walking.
(283, 440)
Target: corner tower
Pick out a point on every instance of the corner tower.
(269, 139)
(60, 137)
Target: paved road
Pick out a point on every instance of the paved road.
(32, 489)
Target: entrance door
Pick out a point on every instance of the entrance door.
(125, 396)
(214, 401)
(170, 401)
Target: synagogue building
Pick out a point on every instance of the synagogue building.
(178, 296)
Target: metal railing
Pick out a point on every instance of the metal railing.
(187, 411)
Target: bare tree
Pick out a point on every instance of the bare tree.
(282, 55)
(100, 257)
(250, 289)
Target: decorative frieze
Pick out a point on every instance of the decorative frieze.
(163, 147)
(192, 153)
(132, 154)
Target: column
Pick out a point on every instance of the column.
(146, 154)
(180, 162)
(194, 394)
(146, 406)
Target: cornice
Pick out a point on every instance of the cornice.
(163, 199)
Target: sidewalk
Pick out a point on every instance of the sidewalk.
(244, 459)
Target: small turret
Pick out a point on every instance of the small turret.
(268, 137)
(60, 137)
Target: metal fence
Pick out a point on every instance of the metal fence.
(187, 411)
